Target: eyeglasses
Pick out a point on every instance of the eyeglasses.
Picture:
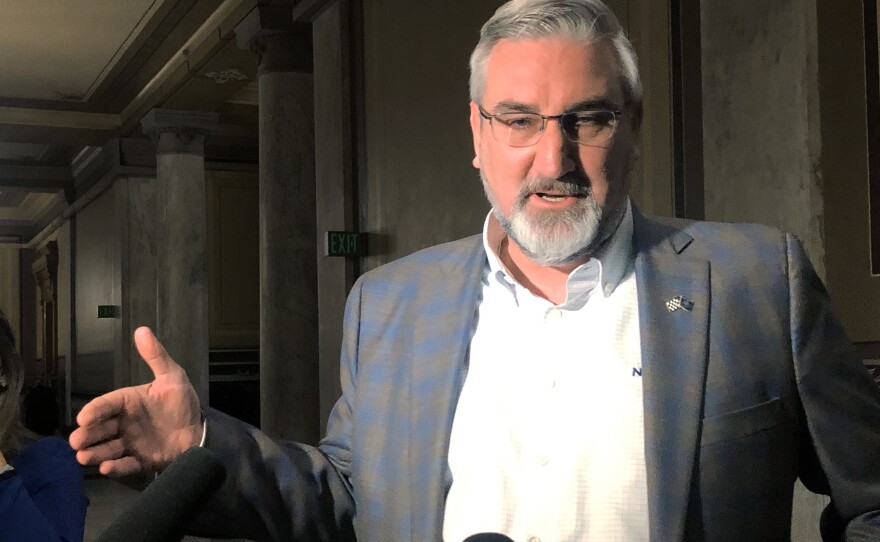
(589, 128)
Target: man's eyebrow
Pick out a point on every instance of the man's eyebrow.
(519, 107)
(594, 104)
(591, 104)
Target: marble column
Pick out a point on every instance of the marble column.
(289, 389)
(182, 285)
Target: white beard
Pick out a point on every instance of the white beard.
(554, 238)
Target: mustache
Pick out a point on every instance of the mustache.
(567, 185)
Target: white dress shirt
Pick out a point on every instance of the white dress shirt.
(547, 440)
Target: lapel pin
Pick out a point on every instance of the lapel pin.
(679, 302)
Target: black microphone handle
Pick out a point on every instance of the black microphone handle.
(488, 537)
(162, 512)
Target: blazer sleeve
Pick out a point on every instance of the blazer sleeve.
(274, 490)
(277, 490)
(841, 404)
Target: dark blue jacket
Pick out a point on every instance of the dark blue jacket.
(45, 499)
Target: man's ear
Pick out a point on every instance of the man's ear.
(476, 120)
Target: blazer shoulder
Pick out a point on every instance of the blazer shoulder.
(706, 229)
(714, 240)
(454, 257)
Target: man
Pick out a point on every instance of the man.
(577, 372)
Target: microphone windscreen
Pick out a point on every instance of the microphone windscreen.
(162, 512)
(488, 537)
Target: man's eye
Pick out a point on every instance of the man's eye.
(519, 122)
(596, 119)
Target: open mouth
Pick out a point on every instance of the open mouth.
(549, 196)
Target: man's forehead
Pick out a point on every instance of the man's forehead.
(516, 69)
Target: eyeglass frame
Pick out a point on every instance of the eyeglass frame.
(544, 118)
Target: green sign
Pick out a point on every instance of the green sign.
(345, 244)
(108, 311)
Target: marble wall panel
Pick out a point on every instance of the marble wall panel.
(97, 283)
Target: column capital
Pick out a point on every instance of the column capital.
(279, 43)
(178, 131)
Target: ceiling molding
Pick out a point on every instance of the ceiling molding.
(52, 135)
(203, 41)
(35, 178)
(59, 119)
(143, 52)
(13, 197)
(19, 231)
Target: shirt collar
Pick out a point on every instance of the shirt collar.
(612, 261)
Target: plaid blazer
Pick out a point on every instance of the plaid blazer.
(752, 387)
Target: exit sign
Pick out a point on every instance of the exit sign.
(344, 244)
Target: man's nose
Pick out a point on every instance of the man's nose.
(555, 154)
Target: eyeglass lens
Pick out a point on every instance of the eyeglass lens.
(525, 129)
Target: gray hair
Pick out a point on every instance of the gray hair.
(587, 21)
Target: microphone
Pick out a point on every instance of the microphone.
(488, 537)
(162, 512)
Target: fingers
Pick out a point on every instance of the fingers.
(111, 459)
(88, 435)
(104, 407)
(149, 348)
(123, 466)
(101, 453)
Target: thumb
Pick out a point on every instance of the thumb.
(152, 351)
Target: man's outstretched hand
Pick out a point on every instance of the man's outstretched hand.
(141, 428)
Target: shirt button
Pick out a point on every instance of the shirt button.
(543, 461)
(534, 539)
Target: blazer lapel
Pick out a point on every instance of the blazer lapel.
(437, 376)
(674, 349)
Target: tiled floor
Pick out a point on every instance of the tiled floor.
(107, 499)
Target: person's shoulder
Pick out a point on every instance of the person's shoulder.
(716, 231)
(449, 253)
(49, 458)
(717, 239)
(444, 271)
(45, 449)
(454, 257)
(736, 251)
